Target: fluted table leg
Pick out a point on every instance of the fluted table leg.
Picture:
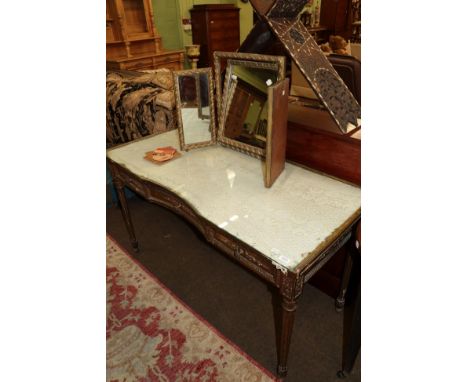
(126, 213)
(288, 311)
(340, 300)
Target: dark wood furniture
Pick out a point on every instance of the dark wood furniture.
(321, 34)
(132, 41)
(215, 27)
(289, 280)
(356, 21)
(277, 130)
(352, 316)
(337, 16)
(313, 138)
(314, 141)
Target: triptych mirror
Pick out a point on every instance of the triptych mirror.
(252, 99)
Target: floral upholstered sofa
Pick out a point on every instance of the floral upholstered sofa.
(138, 104)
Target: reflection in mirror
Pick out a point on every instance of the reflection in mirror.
(256, 73)
(195, 105)
(246, 115)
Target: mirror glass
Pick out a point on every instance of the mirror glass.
(195, 105)
(246, 106)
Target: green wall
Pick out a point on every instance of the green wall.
(246, 19)
(169, 13)
(167, 21)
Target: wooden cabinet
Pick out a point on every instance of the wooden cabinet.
(215, 27)
(337, 16)
(173, 60)
(132, 41)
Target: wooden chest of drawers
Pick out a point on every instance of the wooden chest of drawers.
(215, 27)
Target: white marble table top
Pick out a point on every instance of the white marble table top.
(286, 223)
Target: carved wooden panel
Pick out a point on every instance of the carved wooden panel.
(287, 8)
(318, 71)
(283, 18)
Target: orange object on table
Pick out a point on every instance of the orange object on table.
(162, 154)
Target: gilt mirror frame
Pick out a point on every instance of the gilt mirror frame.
(223, 100)
(194, 72)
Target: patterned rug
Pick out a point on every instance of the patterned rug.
(153, 336)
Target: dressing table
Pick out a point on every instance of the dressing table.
(284, 234)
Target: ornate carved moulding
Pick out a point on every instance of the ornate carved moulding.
(282, 16)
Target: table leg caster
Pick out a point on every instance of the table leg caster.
(341, 374)
(339, 304)
(135, 247)
(282, 371)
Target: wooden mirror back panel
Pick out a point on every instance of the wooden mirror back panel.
(278, 95)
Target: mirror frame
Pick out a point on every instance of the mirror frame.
(191, 72)
(222, 99)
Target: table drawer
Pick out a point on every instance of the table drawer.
(223, 25)
(223, 16)
(225, 46)
(225, 38)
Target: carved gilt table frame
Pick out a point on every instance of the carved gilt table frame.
(288, 283)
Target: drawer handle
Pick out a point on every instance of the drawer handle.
(211, 22)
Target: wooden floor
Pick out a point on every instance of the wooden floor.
(232, 299)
